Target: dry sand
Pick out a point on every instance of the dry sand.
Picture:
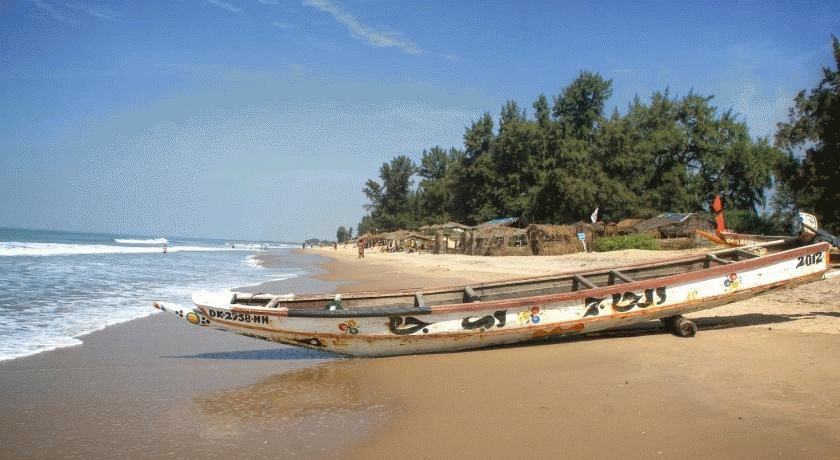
(758, 381)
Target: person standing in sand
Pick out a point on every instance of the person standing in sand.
(361, 249)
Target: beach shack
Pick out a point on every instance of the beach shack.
(553, 240)
(405, 241)
(448, 237)
(673, 225)
(499, 237)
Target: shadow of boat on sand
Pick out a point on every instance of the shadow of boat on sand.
(282, 352)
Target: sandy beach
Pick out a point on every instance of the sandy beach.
(756, 382)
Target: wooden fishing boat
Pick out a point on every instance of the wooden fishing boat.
(496, 313)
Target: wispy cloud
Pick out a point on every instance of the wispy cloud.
(366, 33)
(53, 12)
(284, 25)
(72, 12)
(228, 6)
(103, 13)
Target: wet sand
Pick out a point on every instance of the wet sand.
(757, 381)
(158, 387)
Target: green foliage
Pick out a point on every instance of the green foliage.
(749, 221)
(342, 234)
(634, 241)
(666, 154)
(390, 202)
(811, 176)
(580, 107)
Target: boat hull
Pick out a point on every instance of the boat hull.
(460, 326)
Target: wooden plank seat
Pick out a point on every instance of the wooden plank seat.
(578, 280)
(470, 295)
(615, 274)
(419, 301)
(713, 258)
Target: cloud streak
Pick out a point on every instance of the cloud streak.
(363, 32)
(53, 12)
(225, 5)
(69, 12)
(283, 25)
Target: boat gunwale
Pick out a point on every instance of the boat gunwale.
(468, 307)
(410, 292)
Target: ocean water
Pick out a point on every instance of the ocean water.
(57, 286)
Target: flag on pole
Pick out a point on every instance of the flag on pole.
(594, 216)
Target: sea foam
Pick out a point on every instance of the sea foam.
(59, 286)
(157, 241)
(12, 249)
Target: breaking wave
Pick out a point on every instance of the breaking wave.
(11, 249)
(149, 241)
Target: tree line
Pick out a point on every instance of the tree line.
(565, 158)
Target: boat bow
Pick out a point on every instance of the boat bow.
(192, 315)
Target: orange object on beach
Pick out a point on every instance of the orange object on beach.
(717, 206)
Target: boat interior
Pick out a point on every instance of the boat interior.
(393, 302)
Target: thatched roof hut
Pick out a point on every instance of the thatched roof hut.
(498, 238)
(449, 226)
(545, 239)
(625, 226)
(404, 240)
(448, 237)
(672, 225)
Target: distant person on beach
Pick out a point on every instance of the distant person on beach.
(164, 248)
(361, 249)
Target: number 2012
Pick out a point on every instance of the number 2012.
(810, 259)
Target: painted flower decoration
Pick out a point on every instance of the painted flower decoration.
(531, 315)
(732, 282)
(349, 326)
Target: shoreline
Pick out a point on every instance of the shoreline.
(141, 388)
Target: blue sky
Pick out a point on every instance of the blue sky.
(262, 119)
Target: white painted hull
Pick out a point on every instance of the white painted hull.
(462, 326)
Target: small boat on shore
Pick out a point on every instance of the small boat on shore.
(506, 312)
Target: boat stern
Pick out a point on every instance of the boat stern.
(190, 314)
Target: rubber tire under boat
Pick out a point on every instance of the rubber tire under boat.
(680, 326)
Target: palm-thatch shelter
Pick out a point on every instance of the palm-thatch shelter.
(404, 240)
(626, 226)
(553, 240)
(448, 237)
(673, 225)
(498, 237)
